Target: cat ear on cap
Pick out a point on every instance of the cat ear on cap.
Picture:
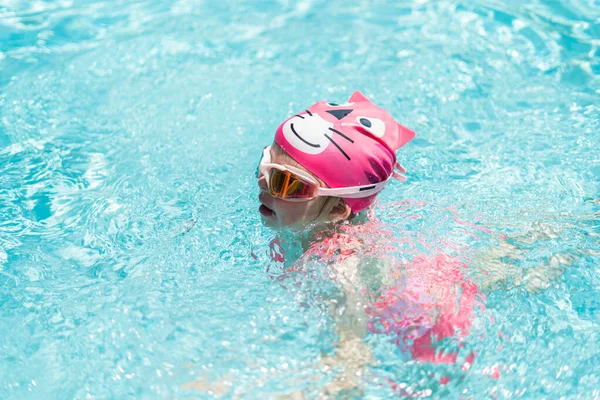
(358, 97)
(405, 135)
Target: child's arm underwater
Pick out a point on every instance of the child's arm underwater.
(354, 275)
(496, 270)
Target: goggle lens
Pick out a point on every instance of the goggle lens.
(285, 185)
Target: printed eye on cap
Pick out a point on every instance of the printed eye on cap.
(373, 125)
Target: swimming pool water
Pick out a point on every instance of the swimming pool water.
(132, 258)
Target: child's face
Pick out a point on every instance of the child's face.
(278, 212)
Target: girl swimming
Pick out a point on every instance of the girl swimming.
(318, 179)
(326, 166)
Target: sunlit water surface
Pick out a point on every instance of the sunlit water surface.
(132, 258)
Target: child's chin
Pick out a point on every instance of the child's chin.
(269, 222)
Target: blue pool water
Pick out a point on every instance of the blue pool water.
(132, 258)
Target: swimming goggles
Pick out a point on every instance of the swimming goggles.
(293, 184)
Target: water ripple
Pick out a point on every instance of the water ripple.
(130, 246)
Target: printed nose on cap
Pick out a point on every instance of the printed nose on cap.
(339, 114)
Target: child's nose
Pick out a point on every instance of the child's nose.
(262, 183)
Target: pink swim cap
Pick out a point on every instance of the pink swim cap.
(350, 144)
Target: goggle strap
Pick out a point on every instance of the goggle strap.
(400, 168)
(353, 192)
(400, 174)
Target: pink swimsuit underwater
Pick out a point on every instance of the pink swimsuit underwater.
(429, 301)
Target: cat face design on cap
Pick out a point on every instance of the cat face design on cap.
(345, 145)
(326, 125)
(307, 132)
